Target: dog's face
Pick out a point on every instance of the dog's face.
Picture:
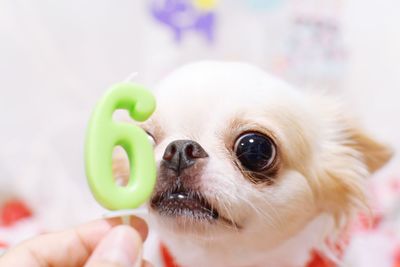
(243, 154)
(232, 146)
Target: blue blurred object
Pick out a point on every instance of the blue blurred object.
(183, 16)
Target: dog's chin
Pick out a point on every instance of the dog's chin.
(189, 205)
(188, 210)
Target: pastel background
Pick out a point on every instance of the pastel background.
(58, 57)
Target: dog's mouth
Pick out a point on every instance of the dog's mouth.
(188, 204)
(184, 203)
(192, 205)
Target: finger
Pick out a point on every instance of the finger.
(67, 248)
(106, 264)
(146, 264)
(121, 247)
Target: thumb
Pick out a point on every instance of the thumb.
(121, 247)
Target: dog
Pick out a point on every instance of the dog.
(252, 172)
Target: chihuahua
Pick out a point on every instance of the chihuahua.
(251, 171)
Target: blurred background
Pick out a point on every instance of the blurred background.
(58, 57)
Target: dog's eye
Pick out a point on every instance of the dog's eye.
(151, 138)
(255, 151)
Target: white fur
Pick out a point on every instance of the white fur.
(283, 222)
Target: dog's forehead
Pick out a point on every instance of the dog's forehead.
(203, 95)
(221, 80)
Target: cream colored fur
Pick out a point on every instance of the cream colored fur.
(324, 161)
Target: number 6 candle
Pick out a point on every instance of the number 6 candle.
(104, 134)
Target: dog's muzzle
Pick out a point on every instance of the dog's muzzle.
(179, 195)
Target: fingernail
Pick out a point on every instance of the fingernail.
(122, 246)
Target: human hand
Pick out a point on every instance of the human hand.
(102, 243)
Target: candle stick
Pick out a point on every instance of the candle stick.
(104, 134)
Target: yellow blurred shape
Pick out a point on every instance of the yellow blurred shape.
(205, 4)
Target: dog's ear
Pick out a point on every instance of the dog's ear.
(374, 153)
(350, 134)
(351, 155)
(342, 180)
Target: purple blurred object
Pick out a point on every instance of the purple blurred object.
(182, 16)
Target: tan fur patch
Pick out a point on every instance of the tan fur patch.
(375, 154)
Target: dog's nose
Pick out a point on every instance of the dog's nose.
(182, 154)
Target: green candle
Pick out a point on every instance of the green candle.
(104, 134)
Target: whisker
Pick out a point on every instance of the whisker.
(232, 222)
(266, 216)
